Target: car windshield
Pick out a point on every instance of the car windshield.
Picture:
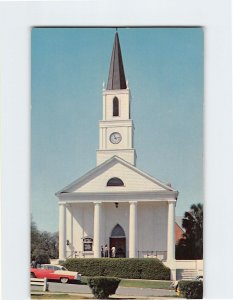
(60, 268)
(51, 267)
(47, 267)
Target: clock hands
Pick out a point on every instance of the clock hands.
(115, 137)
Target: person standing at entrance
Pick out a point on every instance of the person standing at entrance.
(113, 251)
(102, 251)
(106, 251)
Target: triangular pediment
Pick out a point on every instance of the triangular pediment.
(97, 180)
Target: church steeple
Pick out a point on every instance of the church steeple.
(116, 136)
(116, 77)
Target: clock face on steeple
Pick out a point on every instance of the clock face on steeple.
(115, 138)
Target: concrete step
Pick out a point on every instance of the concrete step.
(186, 274)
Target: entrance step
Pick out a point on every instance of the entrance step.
(186, 274)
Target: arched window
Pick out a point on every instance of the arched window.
(115, 182)
(115, 111)
(118, 231)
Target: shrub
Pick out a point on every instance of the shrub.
(191, 289)
(102, 287)
(135, 268)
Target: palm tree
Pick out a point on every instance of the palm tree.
(190, 245)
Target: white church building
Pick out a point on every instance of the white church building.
(115, 203)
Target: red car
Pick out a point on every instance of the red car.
(55, 272)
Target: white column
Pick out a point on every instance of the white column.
(69, 230)
(171, 231)
(62, 231)
(132, 229)
(97, 227)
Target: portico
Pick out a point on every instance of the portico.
(146, 217)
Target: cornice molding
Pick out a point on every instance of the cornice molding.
(120, 196)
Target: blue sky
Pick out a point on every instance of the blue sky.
(164, 67)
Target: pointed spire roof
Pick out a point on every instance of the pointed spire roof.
(116, 77)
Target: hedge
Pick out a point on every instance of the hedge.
(191, 289)
(135, 268)
(102, 287)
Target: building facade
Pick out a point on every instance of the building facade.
(116, 205)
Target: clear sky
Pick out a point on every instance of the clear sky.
(164, 68)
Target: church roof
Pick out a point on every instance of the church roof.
(116, 77)
(108, 164)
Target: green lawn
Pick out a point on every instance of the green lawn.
(140, 283)
(56, 296)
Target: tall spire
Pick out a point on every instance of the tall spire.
(116, 77)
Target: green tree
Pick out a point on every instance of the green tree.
(44, 245)
(35, 237)
(190, 246)
(49, 243)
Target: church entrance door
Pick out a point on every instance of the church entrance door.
(120, 244)
(118, 241)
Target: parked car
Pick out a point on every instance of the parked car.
(55, 272)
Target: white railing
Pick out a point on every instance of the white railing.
(40, 282)
(161, 255)
(79, 254)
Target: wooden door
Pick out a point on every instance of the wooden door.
(119, 244)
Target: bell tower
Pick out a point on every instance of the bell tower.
(116, 130)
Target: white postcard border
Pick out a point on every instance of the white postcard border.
(16, 21)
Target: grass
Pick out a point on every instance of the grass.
(56, 296)
(140, 283)
(68, 296)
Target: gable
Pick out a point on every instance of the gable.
(134, 180)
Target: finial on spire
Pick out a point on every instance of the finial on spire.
(103, 85)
